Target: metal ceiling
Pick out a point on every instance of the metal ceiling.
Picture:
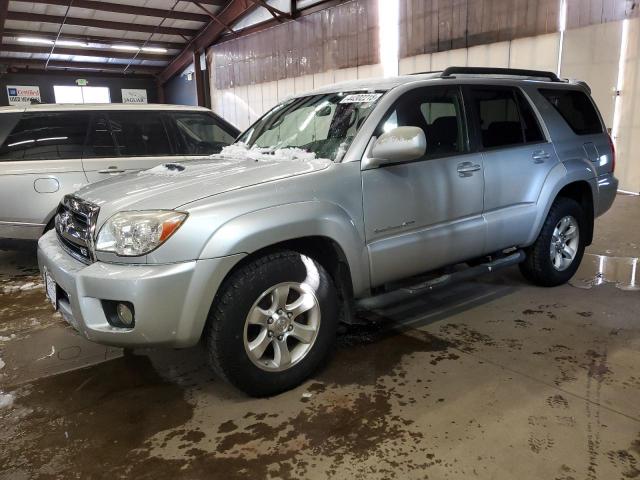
(147, 37)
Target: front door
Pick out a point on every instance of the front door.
(122, 141)
(427, 213)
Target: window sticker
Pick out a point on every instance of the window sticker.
(361, 98)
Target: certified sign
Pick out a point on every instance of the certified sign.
(134, 95)
(20, 95)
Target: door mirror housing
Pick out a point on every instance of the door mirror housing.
(401, 144)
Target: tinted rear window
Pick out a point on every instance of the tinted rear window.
(139, 134)
(506, 118)
(576, 108)
(46, 136)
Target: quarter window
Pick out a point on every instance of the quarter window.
(199, 133)
(577, 110)
(46, 136)
(505, 117)
(438, 112)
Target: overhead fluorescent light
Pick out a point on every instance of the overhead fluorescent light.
(44, 41)
(35, 40)
(129, 48)
(71, 43)
(154, 50)
(133, 48)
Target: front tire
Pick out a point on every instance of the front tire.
(556, 254)
(272, 323)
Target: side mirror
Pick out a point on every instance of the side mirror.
(402, 144)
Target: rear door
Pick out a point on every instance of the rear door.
(517, 157)
(199, 134)
(122, 141)
(40, 161)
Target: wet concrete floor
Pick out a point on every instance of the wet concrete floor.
(492, 378)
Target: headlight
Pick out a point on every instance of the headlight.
(130, 234)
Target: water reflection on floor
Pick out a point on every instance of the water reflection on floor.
(595, 270)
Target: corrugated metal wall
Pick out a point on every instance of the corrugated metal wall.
(428, 26)
(338, 37)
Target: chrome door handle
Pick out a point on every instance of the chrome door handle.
(540, 156)
(111, 169)
(466, 168)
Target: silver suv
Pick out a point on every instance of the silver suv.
(47, 151)
(354, 196)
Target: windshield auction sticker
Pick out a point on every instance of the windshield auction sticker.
(361, 98)
(23, 95)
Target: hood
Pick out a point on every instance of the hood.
(171, 185)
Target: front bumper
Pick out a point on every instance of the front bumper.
(171, 301)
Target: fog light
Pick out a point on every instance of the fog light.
(125, 315)
(119, 314)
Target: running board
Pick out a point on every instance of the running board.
(404, 294)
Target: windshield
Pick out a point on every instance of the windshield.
(324, 125)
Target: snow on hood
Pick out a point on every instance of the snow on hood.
(166, 169)
(242, 151)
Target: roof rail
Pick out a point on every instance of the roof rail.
(516, 72)
(425, 73)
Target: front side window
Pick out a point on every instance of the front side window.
(438, 112)
(505, 117)
(139, 134)
(321, 124)
(576, 108)
(200, 133)
(46, 136)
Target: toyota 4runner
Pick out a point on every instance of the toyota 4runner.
(356, 195)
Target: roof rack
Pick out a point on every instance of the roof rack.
(515, 72)
(425, 73)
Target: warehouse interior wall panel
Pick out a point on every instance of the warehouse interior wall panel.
(582, 13)
(441, 60)
(591, 54)
(432, 26)
(490, 55)
(628, 132)
(539, 53)
(335, 38)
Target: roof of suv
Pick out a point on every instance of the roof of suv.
(53, 107)
(480, 75)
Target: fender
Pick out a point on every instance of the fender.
(253, 231)
(563, 174)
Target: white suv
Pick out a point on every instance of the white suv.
(47, 151)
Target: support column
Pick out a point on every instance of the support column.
(199, 77)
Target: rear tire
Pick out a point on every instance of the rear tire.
(272, 323)
(556, 254)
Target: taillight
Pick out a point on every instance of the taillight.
(613, 154)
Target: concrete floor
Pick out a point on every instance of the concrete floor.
(491, 379)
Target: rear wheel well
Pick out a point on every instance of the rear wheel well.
(581, 193)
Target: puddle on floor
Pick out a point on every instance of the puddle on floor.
(596, 270)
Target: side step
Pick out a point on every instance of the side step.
(404, 294)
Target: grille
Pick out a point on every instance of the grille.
(75, 225)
